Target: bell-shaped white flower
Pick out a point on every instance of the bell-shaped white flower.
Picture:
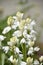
(25, 33)
(19, 15)
(17, 33)
(15, 17)
(11, 58)
(16, 50)
(30, 51)
(29, 61)
(5, 48)
(28, 37)
(21, 56)
(41, 58)
(36, 62)
(31, 43)
(33, 32)
(31, 37)
(14, 40)
(10, 43)
(6, 30)
(25, 27)
(15, 25)
(23, 63)
(2, 37)
(22, 24)
(32, 24)
(36, 49)
(23, 40)
(10, 20)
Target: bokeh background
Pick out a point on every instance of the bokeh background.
(30, 8)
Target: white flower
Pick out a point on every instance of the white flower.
(10, 43)
(17, 33)
(23, 63)
(5, 48)
(10, 20)
(30, 51)
(31, 37)
(28, 20)
(15, 25)
(32, 24)
(36, 62)
(34, 37)
(19, 15)
(41, 58)
(23, 40)
(31, 48)
(21, 56)
(11, 58)
(29, 60)
(15, 17)
(22, 24)
(28, 37)
(25, 33)
(14, 40)
(2, 37)
(36, 49)
(31, 43)
(33, 32)
(25, 27)
(16, 50)
(6, 30)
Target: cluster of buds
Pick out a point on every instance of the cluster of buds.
(21, 44)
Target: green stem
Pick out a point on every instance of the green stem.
(19, 60)
(24, 51)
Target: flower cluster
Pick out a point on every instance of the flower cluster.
(21, 44)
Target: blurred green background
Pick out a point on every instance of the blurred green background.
(30, 8)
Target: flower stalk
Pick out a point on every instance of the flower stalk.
(24, 51)
(20, 43)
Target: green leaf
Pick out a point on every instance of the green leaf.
(2, 59)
